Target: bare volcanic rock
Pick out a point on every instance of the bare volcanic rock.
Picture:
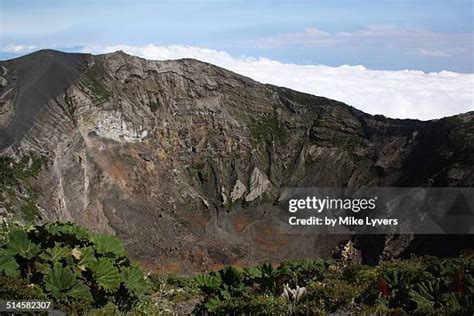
(183, 160)
(29, 83)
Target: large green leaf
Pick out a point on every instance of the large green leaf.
(106, 274)
(80, 290)
(423, 301)
(56, 253)
(134, 279)
(208, 283)
(8, 264)
(19, 244)
(457, 301)
(252, 273)
(231, 276)
(84, 256)
(108, 244)
(41, 267)
(68, 230)
(61, 282)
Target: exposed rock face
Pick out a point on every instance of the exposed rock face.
(111, 125)
(259, 184)
(238, 191)
(182, 159)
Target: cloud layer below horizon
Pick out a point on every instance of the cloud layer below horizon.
(397, 94)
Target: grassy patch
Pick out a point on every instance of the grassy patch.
(154, 106)
(265, 130)
(17, 194)
(98, 92)
(70, 106)
(30, 211)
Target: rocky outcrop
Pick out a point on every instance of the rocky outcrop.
(259, 185)
(183, 160)
(111, 125)
(238, 191)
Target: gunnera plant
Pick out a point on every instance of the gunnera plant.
(75, 268)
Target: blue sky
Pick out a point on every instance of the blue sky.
(389, 35)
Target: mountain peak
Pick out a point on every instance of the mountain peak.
(194, 155)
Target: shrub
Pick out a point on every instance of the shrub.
(429, 285)
(245, 305)
(424, 285)
(303, 272)
(265, 130)
(18, 288)
(208, 283)
(72, 266)
(17, 194)
(154, 106)
(268, 277)
(334, 294)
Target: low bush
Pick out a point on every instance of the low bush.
(419, 285)
(77, 269)
(245, 305)
(87, 273)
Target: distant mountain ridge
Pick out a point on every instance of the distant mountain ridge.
(183, 160)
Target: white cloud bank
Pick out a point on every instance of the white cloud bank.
(396, 94)
(18, 49)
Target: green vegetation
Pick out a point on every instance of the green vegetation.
(17, 194)
(154, 106)
(266, 130)
(12, 171)
(87, 273)
(98, 91)
(78, 270)
(425, 285)
(70, 106)
(29, 211)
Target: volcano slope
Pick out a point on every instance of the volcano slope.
(183, 160)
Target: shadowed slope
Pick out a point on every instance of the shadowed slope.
(36, 79)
